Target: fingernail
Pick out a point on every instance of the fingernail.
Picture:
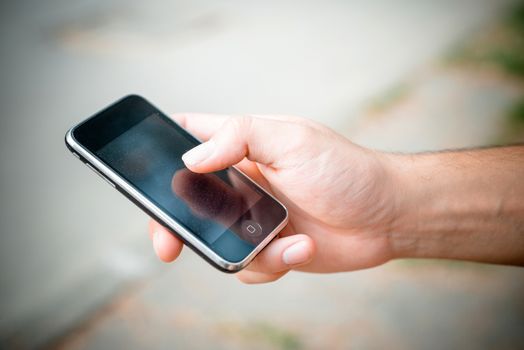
(199, 153)
(296, 254)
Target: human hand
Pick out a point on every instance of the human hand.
(340, 197)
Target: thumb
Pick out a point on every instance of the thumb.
(261, 140)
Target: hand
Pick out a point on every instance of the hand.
(341, 197)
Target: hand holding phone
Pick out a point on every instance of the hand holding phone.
(339, 195)
(332, 188)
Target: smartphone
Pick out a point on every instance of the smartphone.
(223, 216)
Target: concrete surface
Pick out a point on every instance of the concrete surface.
(69, 243)
(402, 305)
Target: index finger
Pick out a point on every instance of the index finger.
(203, 126)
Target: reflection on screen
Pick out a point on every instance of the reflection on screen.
(149, 156)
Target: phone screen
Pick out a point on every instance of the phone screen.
(225, 210)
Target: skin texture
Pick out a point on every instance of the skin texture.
(352, 208)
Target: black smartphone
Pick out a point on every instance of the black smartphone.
(223, 216)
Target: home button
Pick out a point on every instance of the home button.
(251, 228)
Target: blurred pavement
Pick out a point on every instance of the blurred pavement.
(76, 267)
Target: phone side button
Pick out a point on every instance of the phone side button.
(100, 174)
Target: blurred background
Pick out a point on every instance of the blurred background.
(77, 270)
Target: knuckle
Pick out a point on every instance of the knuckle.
(302, 136)
(239, 131)
(303, 133)
(305, 122)
(241, 123)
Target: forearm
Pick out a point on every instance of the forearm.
(461, 205)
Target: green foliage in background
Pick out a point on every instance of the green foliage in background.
(515, 121)
(390, 98)
(502, 47)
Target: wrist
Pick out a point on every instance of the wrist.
(448, 206)
(403, 239)
(411, 196)
(397, 203)
(435, 216)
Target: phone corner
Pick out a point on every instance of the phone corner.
(69, 139)
(133, 96)
(230, 267)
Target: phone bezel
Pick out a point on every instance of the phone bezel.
(135, 195)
